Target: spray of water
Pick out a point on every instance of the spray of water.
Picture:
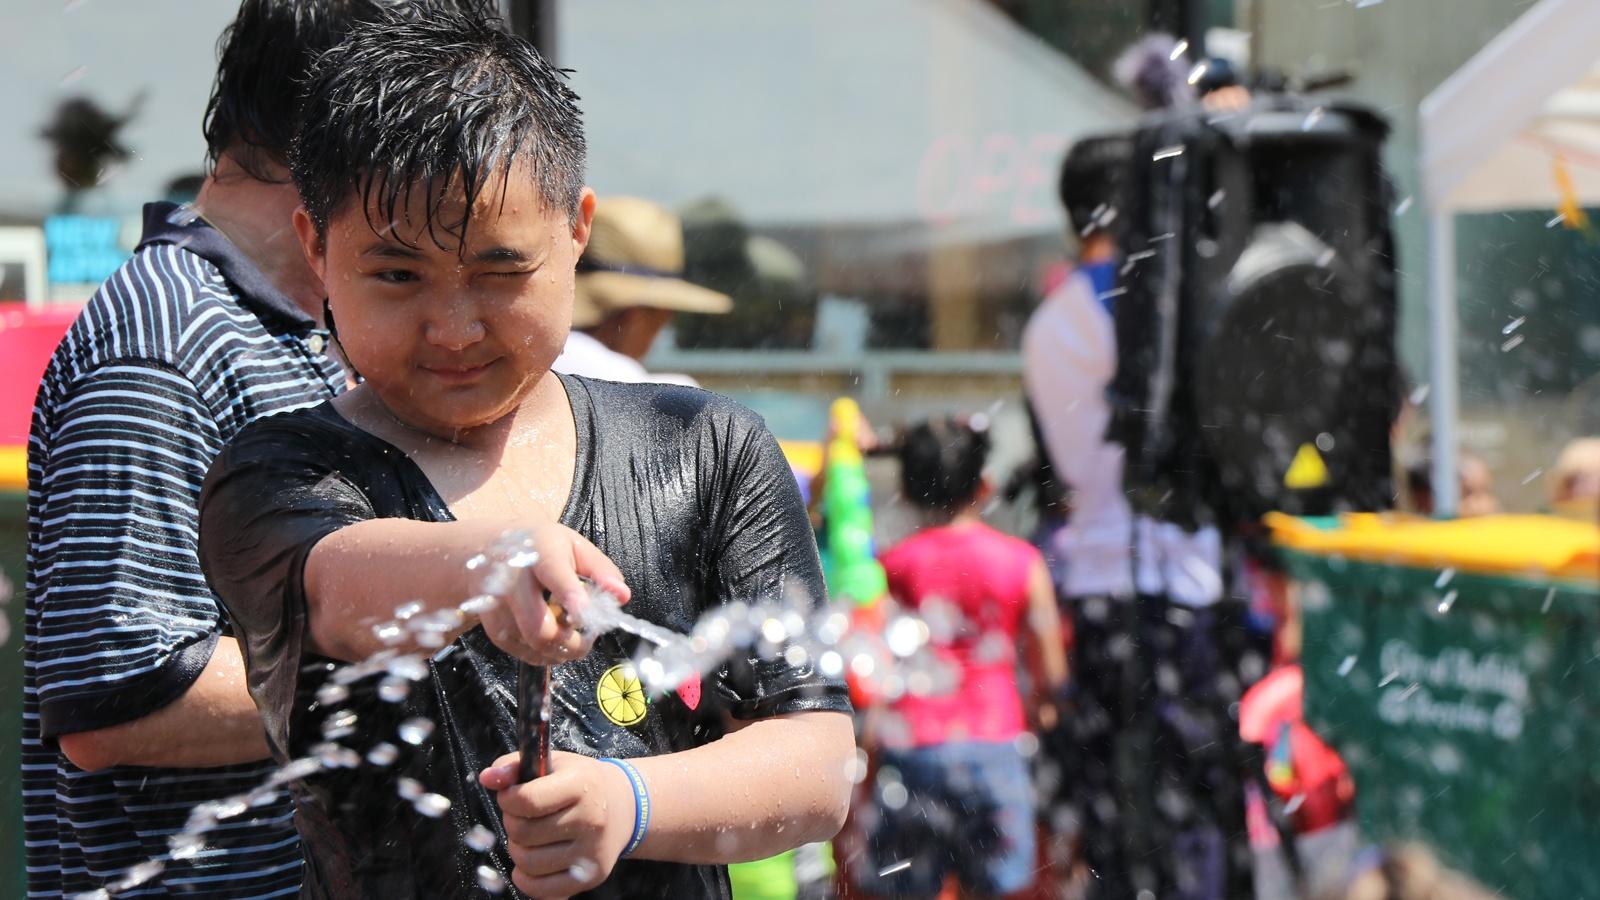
(890, 661)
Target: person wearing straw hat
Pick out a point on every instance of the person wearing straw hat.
(629, 285)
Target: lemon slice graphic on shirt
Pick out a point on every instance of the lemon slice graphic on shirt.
(621, 695)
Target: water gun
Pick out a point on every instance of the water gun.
(849, 559)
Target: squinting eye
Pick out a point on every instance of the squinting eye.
(396, 276)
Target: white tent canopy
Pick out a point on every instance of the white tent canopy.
(1491, 132)
(1499, 134)
(887, 113)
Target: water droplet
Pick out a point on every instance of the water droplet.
(388, 633)
(490, 880)
(415, 730)
(1549, 598)
(1513, 344)
(332, 693)
(477, 606)
(137, 875)
(480, 839)
(863, 665)
(773, 632)
(1447, 601)
(433, 805)
(1555, 220)
(1444, 578)
(1167, 153)
(796, 656)
(894, 867)
(383, 754)
(583, 870)
(1532, 476)
(1514, 324)
(409, 789)
(1312, 118)
(1345, 666)
(393, 689)
(186, 845)
(406, 610)
(1403, 206)
(895, 795)
(409, 667)
(339, 725)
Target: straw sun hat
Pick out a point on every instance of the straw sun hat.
(635, 258)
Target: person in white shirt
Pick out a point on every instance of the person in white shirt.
(629, 286)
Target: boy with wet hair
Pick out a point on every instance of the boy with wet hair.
(214, 322)
(444, 207)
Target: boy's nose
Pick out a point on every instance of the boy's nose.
(455, 330)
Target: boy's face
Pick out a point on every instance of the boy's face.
(453, 338)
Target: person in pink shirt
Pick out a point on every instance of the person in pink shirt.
(954, 794)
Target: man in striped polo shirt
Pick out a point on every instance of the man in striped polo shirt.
(135, 704)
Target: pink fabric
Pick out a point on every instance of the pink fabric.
(983, 574)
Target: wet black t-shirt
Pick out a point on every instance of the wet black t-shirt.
(685, 491)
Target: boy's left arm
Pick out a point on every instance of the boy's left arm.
(769, 786)
(778, 779)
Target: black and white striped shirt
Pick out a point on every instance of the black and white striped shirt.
(186, 344)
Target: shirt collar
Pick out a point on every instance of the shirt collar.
(181, 226)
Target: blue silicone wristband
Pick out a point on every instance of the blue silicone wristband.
(641, 804)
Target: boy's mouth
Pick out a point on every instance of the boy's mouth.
(458, 374)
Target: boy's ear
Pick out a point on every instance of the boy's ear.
(311, 243)
(583, 221)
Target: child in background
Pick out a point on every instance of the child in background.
(953, 789)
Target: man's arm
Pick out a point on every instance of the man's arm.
(132, 670)
(214, 723)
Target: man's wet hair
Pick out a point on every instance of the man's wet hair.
(262, 58)
(434, 106)
(942, 460)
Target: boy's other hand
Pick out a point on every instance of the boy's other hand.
(564, 831)
(532, 629)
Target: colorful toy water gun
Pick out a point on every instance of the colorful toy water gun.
(849, 562)
(849, 558)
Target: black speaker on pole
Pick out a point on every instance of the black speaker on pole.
(1256, 335)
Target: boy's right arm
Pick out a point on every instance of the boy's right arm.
(357, 576)
(304, 563)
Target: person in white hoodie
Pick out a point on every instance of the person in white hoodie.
(1069, 356)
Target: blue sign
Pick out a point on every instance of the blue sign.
(83, 249)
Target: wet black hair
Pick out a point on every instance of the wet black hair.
(1092, 176)
(435, 103)
(941, 462)
(262, 58)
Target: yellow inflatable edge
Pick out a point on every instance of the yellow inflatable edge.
(1527, 546)
(13, 469)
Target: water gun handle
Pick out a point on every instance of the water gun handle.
(533, 721)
